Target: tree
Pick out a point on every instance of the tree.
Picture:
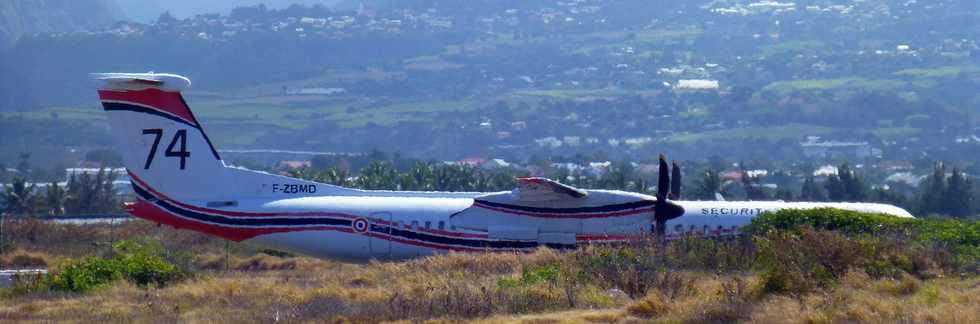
(379, 175)
(845, 185)
(835, 189)
(55, 198)
(931, 198)
(810, 191)
(19, 197)
(785, 194)
(958, 197)
(853, 184)
(87, 194)
(709, 184)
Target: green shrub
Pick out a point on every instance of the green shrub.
(635, 269)
(531, 276)
(831, 219)
(798, 263)
(84, 274)
(961, 238)
(704, 254)
(141, 262)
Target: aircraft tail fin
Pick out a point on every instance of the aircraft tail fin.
(162, 143)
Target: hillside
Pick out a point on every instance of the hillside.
(502, 79)
(27, 17)
(149, 10)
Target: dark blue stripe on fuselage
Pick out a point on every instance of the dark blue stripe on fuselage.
(237, 221)
(473, 243)
(577, 210)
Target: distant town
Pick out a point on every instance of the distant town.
(763, 87)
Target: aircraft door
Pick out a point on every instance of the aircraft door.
(381, 241)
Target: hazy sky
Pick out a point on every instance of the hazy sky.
(148, 10)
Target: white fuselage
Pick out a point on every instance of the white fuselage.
(392, 227)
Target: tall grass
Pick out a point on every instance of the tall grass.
(790, 270)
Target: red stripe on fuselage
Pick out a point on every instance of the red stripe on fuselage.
(169, 102)
(166, 198)
(154, 213)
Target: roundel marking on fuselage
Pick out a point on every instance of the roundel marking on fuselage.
(360, 225)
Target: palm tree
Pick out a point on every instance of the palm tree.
(422, 177)
(55, 198)
(19, 197)
(379, 175)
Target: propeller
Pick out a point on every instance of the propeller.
(668, 187)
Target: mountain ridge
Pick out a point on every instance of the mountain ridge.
(27, 17)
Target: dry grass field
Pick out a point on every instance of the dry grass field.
(542, 287)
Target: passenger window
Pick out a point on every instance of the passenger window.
(415, 224)
(679, 228)
(691, 228)
(452, 227)
(442, 225)
(706, 229)
(428, 224)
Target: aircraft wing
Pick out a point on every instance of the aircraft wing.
(540, 189)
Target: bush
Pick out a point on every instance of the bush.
(721, 255)
(140, 262)
(533, 275)
(960, 238)
(947, 231)
(798, 263)
(801, 261)
(84, 275)
(635, 269)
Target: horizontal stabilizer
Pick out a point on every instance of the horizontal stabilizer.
(139, 81)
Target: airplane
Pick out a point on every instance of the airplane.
(180, 180)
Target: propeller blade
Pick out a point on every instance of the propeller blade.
(675, 181)
(663, 179)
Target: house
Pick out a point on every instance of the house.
(294, 164)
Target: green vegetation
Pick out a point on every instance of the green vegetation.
(833, 84)
(939, 72)
(961, 237)
(819, 265)
(573, 94)
(792, 48)
(141, 262)
(789, 131)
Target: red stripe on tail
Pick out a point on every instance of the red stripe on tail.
(169, 102)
